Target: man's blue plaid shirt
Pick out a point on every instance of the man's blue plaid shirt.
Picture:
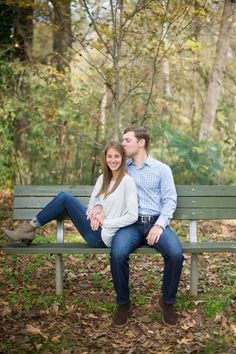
(156, 189)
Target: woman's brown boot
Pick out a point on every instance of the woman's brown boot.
(24, 233)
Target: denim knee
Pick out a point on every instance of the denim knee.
(175, 255)
(64, 195)
(119, 255)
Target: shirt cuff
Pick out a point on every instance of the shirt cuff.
(162, 221)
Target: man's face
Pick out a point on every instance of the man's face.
(131, 144)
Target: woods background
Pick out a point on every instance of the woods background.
(74, 74)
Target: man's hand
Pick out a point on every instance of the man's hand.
(154, 235)
(96, 217)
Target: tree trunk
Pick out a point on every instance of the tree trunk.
(24, 45)
(215, 82)
(195, 74)
(24, 33)
(117, 21)
(103, 108)
(62, 34)
(166, 74)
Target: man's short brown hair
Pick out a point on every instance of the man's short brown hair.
(139, 133)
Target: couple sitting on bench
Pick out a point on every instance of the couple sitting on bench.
(131, 205)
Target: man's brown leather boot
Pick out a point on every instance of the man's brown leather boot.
(169, 316)
(122, 314)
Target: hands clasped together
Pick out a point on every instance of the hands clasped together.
(96, 217)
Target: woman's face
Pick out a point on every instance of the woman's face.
(113, 159)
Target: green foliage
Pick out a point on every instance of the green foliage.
(6, 148)
(50, 120)
(192, 162)
(51, 129)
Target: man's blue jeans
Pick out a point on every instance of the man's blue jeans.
(131, 237)
(65, 204)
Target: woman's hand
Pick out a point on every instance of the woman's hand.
(96, 217)
(94, 224)
(92, 213)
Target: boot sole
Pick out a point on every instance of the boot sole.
(26, 243)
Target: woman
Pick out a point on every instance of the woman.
(115, 190)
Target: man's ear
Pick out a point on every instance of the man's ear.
(141, 143)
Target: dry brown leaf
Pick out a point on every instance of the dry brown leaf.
(189, 324)
(34, 330)
(32, 287)
(145, 319)
(5, 311)
(185, 341)
(233, 328)
(38, 346)
(56, 339)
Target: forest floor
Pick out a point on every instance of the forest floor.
(34, 320)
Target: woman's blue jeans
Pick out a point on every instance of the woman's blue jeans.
(131, 237)
(65, 204)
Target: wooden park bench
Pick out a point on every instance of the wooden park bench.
(195, 203)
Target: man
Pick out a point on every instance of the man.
(157, 202)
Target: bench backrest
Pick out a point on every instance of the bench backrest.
(195, 202)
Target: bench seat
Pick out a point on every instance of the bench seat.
(81, 248)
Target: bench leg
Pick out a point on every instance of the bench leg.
(194, 274)
(59, 259)
(194, 260)
(59, 274)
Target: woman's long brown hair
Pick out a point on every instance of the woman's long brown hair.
(107, 173)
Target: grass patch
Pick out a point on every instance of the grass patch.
(155, 316)
(99, 307)
(184, 302)
(98, 280)
(141, 299)
(219, 345)
(215, 305)
(28, 300)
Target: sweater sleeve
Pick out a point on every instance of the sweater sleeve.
(130, 214)
(93, 201)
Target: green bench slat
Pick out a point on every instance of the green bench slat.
(51, 190)
(180, 214)
(204, 214)
(80, 248)
(39, 202)
(206, 202)
(206, 190)
(182, 202)
(182, 190)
